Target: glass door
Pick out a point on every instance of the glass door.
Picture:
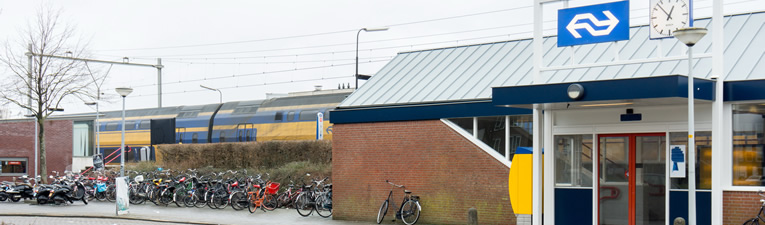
(632, 178)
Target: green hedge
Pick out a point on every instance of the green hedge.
(234, 156)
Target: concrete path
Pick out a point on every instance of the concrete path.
(15, 213)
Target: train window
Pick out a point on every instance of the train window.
(222, 136)
(111, 126)
(290, 116)
(130, 125)
(195, 138)
(187, 114)
(308, 115)
(146, 124)
(279, 116)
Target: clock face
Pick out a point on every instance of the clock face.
(668, 16)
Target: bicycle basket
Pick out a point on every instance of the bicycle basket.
(272, 188)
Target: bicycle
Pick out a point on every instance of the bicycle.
(756, 220)
(409, 212)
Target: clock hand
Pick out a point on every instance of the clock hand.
(662, 9)
(669, 16)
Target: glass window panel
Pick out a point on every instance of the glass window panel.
(465, 123)
(703, 159)
(573, 160)
(81, 141)
(748, 142)
(13, 166)
(144, 125)
(491, 131)
(308, 115)
(520, 133)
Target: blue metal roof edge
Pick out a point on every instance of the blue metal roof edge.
(422, 112)
(621, 89)
(744, 90)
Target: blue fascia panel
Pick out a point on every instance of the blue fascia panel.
(622, 89)
(423, 112)
(744, 90)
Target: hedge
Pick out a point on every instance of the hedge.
(233, 156)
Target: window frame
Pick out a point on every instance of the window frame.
(6, 159)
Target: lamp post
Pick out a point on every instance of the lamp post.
(690, 36)
(98, 127)
(124, 92)
(213, 89)
(356, 76)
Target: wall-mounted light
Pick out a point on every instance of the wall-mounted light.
(575, 91)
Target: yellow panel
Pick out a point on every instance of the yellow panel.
(519, 183)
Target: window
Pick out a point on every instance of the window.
(222, 136)
(82, 139)
(703, 159)
(13, 166)
(195, 138)
(326, 115)
(145, 125)
(465, 123)
(129, 125)
(279, 116)
(111, 126)
(309, 115)
(748, 143)
(491, 130)
(291, 116)
(573, 160)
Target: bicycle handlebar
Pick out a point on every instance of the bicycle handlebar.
(396, 185)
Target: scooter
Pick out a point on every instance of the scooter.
(19, 191)
(62, 192)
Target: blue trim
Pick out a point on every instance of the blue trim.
(638, 88)
(420, 112)
(744, 90)
(573, 206)
(678, 206)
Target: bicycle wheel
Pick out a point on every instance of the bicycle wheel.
(323, 206)
(269, 202)
(251, 205)
(281, 200)
(239, 200)
(190, 200)
(199, 198)
(382, 212)
(410, 212)
(111, 193)
(753, 221)
(166, 197)
(303, 205)
(179, 197)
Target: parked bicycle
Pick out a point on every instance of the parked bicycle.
(759, 217)
(409, 212)
(315, 197)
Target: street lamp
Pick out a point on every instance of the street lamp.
(690, 36)
(213, 89)
(356, 76)
(98, 127)
(124, 92)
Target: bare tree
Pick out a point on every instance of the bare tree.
(38, 83)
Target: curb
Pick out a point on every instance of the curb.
(104, 217)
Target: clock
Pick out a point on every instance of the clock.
(666, 16)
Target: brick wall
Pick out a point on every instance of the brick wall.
(448, 172)
(17, 141)
(739, 206)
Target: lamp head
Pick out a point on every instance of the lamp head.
(691, 35)
(375, 29)
(123, 91)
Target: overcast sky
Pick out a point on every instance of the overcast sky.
(250, 48)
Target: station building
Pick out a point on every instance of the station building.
(460, 126)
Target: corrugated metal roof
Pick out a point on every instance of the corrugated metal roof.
(469, 72)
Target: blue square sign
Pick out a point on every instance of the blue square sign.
(594, 24)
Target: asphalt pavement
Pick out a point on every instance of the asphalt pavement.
(21, 213)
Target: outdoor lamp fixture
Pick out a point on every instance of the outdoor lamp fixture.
(690, 36)
(356, 76)
(575, 91)
(213, 89)
(124, 92)
(69, 54)
(125, 59)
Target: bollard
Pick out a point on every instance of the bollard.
(472, 216)
(679, 221)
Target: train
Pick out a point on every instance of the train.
(294, 116)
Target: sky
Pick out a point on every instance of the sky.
(250, 48)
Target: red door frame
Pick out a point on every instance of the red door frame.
(632, 139)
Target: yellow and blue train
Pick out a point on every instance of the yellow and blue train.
(293, 117)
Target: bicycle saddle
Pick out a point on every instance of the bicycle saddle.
(407, 191)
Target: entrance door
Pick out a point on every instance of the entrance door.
(632, 178)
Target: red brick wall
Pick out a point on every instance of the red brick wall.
(448, 172)
(17, 140)
(739, 206)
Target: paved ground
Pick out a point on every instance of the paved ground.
(104, 213)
